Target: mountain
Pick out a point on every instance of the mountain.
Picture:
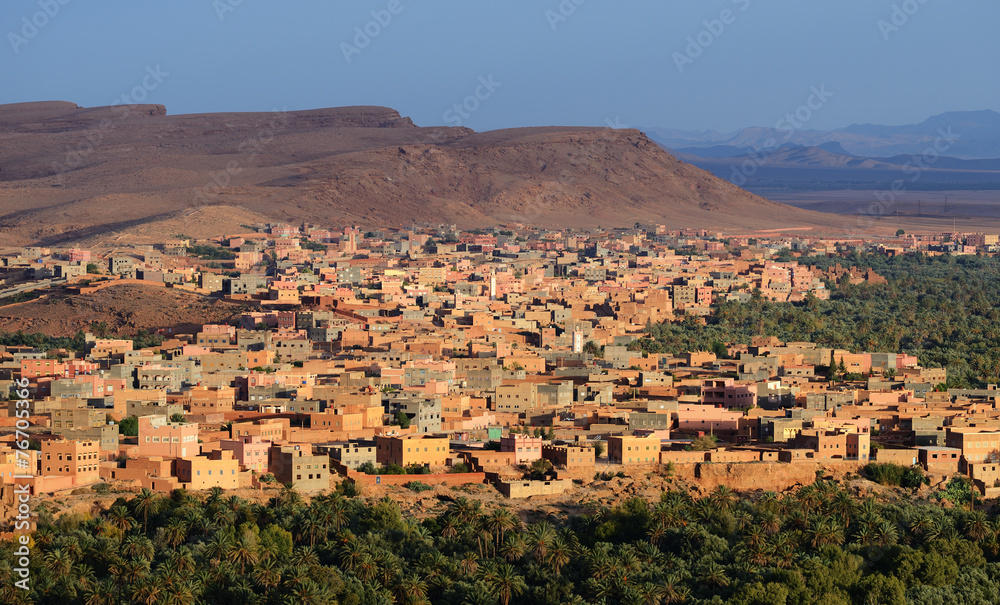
(70, 174)
(791, 167)
(959, 134)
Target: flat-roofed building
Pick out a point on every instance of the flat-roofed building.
(623, 449)
(77, 459)
(412, 450)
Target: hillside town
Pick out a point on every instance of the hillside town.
(505, 357)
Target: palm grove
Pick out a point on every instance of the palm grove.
(820, 544)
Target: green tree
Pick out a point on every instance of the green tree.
(599, 449)
(402, 420)
(129, 426)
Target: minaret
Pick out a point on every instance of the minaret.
(493, 285)
(577, 340)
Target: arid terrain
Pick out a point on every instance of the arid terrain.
(125, 309)
(69, 174)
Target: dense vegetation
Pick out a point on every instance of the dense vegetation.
(944, 309)
(818, 545)
(140, 340)
(210, 252)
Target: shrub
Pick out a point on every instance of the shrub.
(461, 467)
(887, 473)
(417, 486)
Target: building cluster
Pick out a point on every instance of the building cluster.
(484, 351)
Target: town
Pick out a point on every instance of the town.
(435, 356)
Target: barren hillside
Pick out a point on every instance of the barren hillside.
(74, 174)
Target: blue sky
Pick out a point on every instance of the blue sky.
(580, 62)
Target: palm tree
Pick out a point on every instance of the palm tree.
(101, 593)
(244, 551)
(411, 589)
(673, 592)
(175, 531)
(656, 533)
(514, 547)
(449, 526)
(559, 555)
(214, 496)
(311, 526)
(119, 517)
(366, 568)
(267, 574)
(350, 554)
(217, 547)
(822, 532)
(146, 502)
(920, 526)
(770, 523)
(506, 583)
(138, 547)
(148, 592)
(715, 575)
(650, 594)
(58, 562)
(886, 533)
(338, 514)
(499, 523)
(977, 526)
(469, 564)
(843, 506)
(540, 535)
(722, 497)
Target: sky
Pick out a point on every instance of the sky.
(685, 64)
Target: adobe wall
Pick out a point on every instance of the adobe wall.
(447, 479)
(768, 476)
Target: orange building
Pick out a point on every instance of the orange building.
(157, 437)
(412, 449)
(271, 429)
(202, 472)
(77, 459)
(526, 449)
(624, 449)
(212, 400)
(571, 457)
(337, 420)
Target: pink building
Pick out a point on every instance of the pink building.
(706, 418)
(76, 255)
(526, 449)
(727, 392)
(157, 437)
(250, 451)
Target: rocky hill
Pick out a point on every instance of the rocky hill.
(90, 174)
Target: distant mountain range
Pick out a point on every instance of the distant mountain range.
(955, 151)
(958, 134)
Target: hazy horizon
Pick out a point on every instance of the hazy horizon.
(720, 65)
